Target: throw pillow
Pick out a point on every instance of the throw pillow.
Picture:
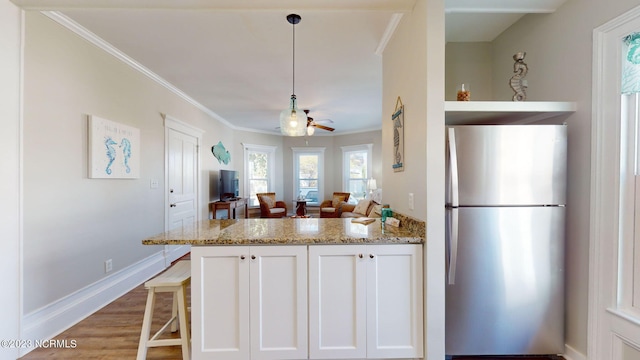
(362, 207)
(337, 199)
(268, 200)
(376, 212)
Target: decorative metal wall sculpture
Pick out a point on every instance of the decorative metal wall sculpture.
(398, 136)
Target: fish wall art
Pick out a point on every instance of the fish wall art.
(221, 153)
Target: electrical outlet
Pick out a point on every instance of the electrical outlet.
(410, 201)
(153, 183)
(108, 266)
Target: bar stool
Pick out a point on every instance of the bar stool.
(175, 280)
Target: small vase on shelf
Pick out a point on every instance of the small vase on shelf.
(463, 93)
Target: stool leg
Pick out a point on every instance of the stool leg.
(146, 324)
(184, 321)
(174, 313)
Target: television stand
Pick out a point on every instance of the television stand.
(229, 204)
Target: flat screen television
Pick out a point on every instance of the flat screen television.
(228, 186)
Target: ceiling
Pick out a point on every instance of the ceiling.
(233, 58)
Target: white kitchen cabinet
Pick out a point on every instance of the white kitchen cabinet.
(365, 301)
(394, 301)
(249, 302)
(337, 302)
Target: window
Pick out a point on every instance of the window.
(308, 170)
(259, 163)
(356, 165)
(629, 297)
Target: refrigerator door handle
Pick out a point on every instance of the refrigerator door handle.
(453, 246)
(453, 167)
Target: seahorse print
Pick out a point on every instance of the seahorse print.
(520, 69)
(125, 145)
(111, 152)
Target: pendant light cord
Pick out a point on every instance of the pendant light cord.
(294, 60)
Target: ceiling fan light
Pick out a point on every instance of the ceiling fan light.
(292, 121)
(311, 130)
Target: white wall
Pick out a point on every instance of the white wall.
(72, 224)
(413, 68)
(559, 53)
(10, 90)
(470, 63)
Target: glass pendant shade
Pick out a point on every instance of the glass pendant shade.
(293, 122)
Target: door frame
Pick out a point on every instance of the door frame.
(171, 253)
(609, 326)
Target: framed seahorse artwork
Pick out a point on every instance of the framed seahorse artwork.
(398, 136)
(114, 149)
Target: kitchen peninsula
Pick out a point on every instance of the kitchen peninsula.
(304, 288)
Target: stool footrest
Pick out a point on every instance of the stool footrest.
(164, 342)
(163, 328)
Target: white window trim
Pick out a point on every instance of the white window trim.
(309, 150)
(271, 151)
(345, 165)
(607, 319)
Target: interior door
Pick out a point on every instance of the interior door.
(182, 178)
(182, 194)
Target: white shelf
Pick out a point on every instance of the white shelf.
(504, 112)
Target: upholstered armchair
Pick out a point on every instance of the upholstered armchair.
(332, 208)
(270, 207)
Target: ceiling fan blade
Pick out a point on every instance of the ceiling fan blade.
(323, 127)
(311, 122)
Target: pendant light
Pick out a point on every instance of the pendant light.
(293, 122)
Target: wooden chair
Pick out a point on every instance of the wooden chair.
(174, 280)
(270, 207)
(332, 208)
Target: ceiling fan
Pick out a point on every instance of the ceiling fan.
(312, 124)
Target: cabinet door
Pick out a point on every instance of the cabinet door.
(337, 303)
(220, 302)
(394, 301)
(278, 298)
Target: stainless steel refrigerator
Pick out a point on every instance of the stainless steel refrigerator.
(505, 239)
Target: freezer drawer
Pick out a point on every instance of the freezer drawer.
(507, 296)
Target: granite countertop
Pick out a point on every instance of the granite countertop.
(288, 231)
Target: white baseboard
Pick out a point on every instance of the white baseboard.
(50, 320)
(572, 354)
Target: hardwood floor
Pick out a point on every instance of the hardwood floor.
(113, 332)
(520, 357)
